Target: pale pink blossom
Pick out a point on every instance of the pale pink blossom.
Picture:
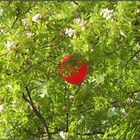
(106, 13)
(70, 32)
(25, 21)
(71, 97)
(37, 17)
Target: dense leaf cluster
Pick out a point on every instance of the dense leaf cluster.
(35, 102)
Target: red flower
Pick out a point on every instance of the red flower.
(72, 70)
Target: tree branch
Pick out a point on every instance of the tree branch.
(29, 8)
(17, 16)
(135, 54)
(76, 2)
(135, 91)
(37, 113)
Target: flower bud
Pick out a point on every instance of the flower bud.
(64, 109)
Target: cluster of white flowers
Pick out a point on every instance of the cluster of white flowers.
(9, 44)
(25, 21)
(63, 134)
(106, 13)
(136, 94)
(37, 17)
(70, 32)
(30, 34)
(1, 108)
(81, 23)
(129, 100)
(71, 98)
(77, 20)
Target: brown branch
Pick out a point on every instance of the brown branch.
(75, 2)
(17, 16)
(135, 91)
(114, 51)
(131, 93)
(135, 54)
(25, 98)
(37, 113)
(29, 8)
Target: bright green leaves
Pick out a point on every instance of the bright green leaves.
(34, 36)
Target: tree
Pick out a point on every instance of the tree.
(36, 103)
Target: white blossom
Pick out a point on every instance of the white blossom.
(80, 22)
(129, 100)
(70, 32)
(1, 108)
(37, 17)
(71, 97)
(30, 34)
(77, 20)
(122, 33)
(3, 32)
(63, 134)
(9, 44)
(25, 21)
(113, 109)
(106, 13)
(135, 58)
(136, 94)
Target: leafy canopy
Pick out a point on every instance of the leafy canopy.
(35, 102)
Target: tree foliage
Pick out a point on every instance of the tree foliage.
(35, 102)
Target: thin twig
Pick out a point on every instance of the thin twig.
(135, 54)
(29, 8)
(17, 16)
(76, 2)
